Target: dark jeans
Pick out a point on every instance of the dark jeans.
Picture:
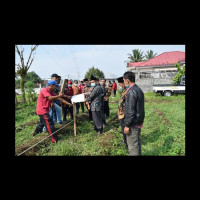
(114, 91)
(134, 141)
(124, 135)
(106, 108)
(47, 121)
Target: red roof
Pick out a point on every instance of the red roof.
(166, 58)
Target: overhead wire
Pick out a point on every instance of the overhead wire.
(59, 55)
(53, 58)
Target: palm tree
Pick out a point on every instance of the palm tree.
(137, 56)
(150, 54)
(22, 68)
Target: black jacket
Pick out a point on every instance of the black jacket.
(96, 98)
(134, 107)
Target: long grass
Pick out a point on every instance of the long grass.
(163, 133)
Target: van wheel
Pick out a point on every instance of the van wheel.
(167, 93)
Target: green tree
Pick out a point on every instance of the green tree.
(150, 54)
(136, 56)
(181, 72)
(32, 76)
(30, 90)
(95, 71)
(23, 68)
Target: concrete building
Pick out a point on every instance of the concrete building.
(163, 63)
(158, 70)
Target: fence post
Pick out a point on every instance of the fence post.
(74, 117)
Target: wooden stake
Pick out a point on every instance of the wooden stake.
(63, 86)
(74, 116)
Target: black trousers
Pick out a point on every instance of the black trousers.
(82, 106)
(106, 108)
(124, 135)
(97, 118)
(90, 113)
(66, 109)
(47, 121)
(103, 113)
(77, 108)
(114, 92)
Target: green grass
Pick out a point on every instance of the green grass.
(163, 133)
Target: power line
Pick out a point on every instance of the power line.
(58, 54)
(74, 60)
(52, 57)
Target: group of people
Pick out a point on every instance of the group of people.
(97, 93)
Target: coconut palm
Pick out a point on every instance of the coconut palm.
(137, 56)
(22, 68)
(150, 54)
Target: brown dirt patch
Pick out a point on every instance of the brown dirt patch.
(30, 143)
(164, 118)
(106, 140)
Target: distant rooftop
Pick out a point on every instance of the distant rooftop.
(166, 58)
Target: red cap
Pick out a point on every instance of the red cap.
(69, 82)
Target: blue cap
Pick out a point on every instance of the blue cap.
(51, 82)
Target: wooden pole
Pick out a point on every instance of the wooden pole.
(63, 86)
(74, 116)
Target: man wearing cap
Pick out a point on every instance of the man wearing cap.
(121, 108)
(86, 90)
(44, 101)
(55, 110)
(95, 98)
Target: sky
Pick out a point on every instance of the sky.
(73, 61)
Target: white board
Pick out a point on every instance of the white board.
(78, 98)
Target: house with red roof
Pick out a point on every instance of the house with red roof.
(162, 63)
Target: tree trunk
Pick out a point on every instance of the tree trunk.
(22, 82)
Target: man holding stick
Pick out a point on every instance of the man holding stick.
(44, 101)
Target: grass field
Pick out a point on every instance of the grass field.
(163, 133)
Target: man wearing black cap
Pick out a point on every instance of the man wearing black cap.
(95, 98)
(55, 111)
(121, 108)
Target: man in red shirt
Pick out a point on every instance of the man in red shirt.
(44, 102)
(81, 86)
(114, 88)
(66, 108)
(71, 92)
